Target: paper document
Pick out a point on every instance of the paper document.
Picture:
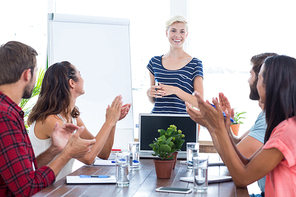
(92, 180)
(101, 162)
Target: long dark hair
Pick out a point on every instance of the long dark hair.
(55, 95)
(279, 77)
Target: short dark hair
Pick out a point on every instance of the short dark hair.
(257, 61)
(15, 58)
(279, 76)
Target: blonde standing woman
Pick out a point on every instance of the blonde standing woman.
(175, 75)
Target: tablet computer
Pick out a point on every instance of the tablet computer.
(174, 190)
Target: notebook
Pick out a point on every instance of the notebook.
(90, 180)
(150, 123)
(211, 179)
(102, 162)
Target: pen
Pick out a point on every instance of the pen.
(224, 114)
(94, 176)
(156, 83)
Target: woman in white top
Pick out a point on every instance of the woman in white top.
(61, 85)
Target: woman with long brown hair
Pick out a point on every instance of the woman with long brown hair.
(61, 86)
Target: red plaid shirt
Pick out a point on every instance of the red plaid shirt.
(17, 159)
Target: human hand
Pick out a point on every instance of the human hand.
(227, 121)
(196, 115)
(113, 112)
(168, 89)
(155, 91)
(77, 147)
(213, 115)
(225, 104)
(124, 111)
(61, 134)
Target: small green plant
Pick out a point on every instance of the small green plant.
(162, 147)
(170, 140)
(25, 104)
(238, 116)
(175, 134)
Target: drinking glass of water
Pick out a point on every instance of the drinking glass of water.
(192, 149)
(200, 173)
(134, 155)
(122, 171)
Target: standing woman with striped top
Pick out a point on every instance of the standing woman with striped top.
(175, 75)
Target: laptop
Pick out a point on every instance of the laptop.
(150, 123)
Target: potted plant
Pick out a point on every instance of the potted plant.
(162, 148)
(176, 139)
(237, 121)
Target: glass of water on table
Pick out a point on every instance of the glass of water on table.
(122, 169)
(134, 155)
(192, 149)
(200, 173)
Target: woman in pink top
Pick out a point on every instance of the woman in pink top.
(277, 157)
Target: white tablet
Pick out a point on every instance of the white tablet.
(174, 190)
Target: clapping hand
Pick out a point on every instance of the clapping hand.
(213, 115)
(225, 104)
(196, 115)
(77, 147)
(208, 116)
(61, 134)
(124, 111)
(114, 112)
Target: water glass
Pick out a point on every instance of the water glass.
(192, 151)
(122, 170)
(134, 155)
(200, 173)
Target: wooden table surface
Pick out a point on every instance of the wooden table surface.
(143, 183)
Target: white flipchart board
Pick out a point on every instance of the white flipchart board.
(100, 48)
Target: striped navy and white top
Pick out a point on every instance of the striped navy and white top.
(182, 78)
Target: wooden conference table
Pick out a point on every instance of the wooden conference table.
(143, 183)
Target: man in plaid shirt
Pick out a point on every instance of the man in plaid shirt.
(20, 175)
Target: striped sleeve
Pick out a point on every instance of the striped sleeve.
(149, 66)
(198, 68)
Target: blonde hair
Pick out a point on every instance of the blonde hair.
(176, 19)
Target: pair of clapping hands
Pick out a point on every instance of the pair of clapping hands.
(63, 137)
(211, 117)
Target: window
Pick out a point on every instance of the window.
(25, 21)
(226, 34)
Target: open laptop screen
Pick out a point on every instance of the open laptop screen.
(150, 123)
